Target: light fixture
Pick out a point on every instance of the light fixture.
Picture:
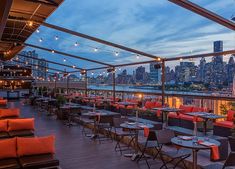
(37, 30)
(92, 73)
(30, 23)
(181, 59)
(52, 51)
(83, 72)
(74, 66)
(64, 60)
(137, 56)
(158, 59)
(76, 44)
(95, 49)
(116, 53)
(40, 40)
(56, 37)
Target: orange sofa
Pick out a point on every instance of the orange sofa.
(28, 153)
(9, 113)
(16, 127)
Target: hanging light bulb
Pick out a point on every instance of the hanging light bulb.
(92, 73)
(37, 30)
(116, 53)
(74, 66)
(40, 40)
(30, 23)
(52, 51)
(76, 44)
(56, 37)
(95, 49)
(64, 60)
(137, 56)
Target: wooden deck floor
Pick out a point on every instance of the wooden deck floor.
(74, 150)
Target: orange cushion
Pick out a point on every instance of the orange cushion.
(149, 105)
(3, 102)
(21, 124)
(228, 124)
(186, 109)
(3, 125)
(230, 115)
(36, 145)
(158, 104)
(8, 148)
(9, 112)
(173, 115)
(189, 118)
(199, 109)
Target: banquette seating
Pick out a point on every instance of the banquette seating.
(223, 128)
(9, 113)
(182, 119)
(28, 153)
(16, 127)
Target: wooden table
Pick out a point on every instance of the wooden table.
(192, 144)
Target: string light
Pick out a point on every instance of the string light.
(52, 51)
(137, 56)
(56, 37)
(30, 23)
(40, 40)
(64, 60)
(76, 44)
(181, 59)
(116, 53)
(74, 66)
(95, 49)
(37, 30)
(92, 73)
(158, 59)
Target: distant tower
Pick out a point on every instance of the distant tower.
(218, 47)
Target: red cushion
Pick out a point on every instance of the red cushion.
(3, 102)
(173, 115)
(3, 125)
(149, 105)
(9, 112)
(199, 109)
(189, 118)
(21, 124)
(8, 148)
(186, 109)
(36, 145)
(228, 124)
(230, 115)
(158, 104)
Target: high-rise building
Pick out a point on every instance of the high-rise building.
(185, 72)
(140, 74)
(154, 74)
(230, 69)
(218, 47)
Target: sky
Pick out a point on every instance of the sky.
(158, 27)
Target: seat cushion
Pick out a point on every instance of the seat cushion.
(13, 112)
(190, 118)
(230, 115)
(8, 148)
(186, 109)
(10, 163)
(173, 115)
(227, 124)
(21, 133)
(3, 125)
(38, 161)
(199, 109)
(21, 124)
(3, 102)
(35, 146)
(4, 134)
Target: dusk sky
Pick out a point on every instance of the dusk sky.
(157, 27)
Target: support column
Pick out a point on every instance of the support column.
(163, 82)
(114, 85)
(86, 83)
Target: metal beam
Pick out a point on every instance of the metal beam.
(204, 12)
(201, 55)
(52, 62)
(5, 6)
(65, 54)
(40, 66)
(90, 38)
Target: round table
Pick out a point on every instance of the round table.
(190, 144)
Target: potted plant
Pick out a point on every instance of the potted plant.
(60, 100)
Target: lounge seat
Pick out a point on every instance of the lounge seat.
(10, 163)
(21, 133)
(38, 161)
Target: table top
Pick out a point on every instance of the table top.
(167, 109)
(192, 143)
(141, 120)
(100, 113)
(205, 115)
(135, 125)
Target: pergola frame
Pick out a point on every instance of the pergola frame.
(183, 3)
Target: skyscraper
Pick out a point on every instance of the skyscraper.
(140, 74)
(154, 74)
